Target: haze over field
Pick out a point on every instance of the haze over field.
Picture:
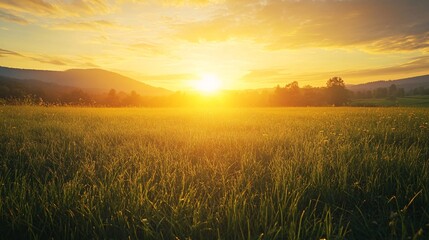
(243, 44)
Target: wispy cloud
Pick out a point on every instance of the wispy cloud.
(81, 61)
(50, 60)
(86, 26)
(62, 61)
(179, 2)
(168, 77)
(283, 76)
(404, 43)
(12, 18)
(4, 53)
(419, 64)
(383, 25)
(148, 49)
(37, 6)
(37, 58)
(58, 9)
(270, 75)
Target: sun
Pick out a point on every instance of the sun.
(208, 84)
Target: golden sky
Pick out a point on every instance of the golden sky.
(245, 43)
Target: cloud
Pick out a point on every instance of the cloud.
(90, 65)
(38, 6)
(270, 75)
(404, 43)
(81, 61)
(179, 2)
(418, 65)
(85, 26)
(381, 25)
(168, 77)
(42, 59)
(185, 2)
(414, 65)
(58, 9)
(88, 7)
(66, 8)
(12, 18)
(50, 60)
(4, 53)
(148, 49)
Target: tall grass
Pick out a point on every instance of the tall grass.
(287, 173)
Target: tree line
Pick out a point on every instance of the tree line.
(392, 92)
(335, 93)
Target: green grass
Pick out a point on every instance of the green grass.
(283, 173)
(410, 101)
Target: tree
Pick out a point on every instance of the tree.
(393, 91)
(290, 95)
(76, 96)
(335, 82)
(292, 87)
(337, 92)
(293, 94)
(380, 92)
(112, 98)
(134, 99)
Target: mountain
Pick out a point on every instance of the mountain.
(405, 83)
(93, 80)
(18, 88)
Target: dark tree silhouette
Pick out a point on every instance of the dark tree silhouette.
(293, 94)
(337, 92)
(380, 92)
(112, 98)
(393, 91)
(290, 95)
(77, 96)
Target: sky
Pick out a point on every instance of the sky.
(244, 43)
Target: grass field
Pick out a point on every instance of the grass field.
(280, 173)
(409, 101)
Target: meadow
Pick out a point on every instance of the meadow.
(408, 101)
(233, 173)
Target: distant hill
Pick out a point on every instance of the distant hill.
(405, 83)
(16, 88)
(94, 80)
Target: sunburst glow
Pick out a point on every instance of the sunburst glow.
(208, 84)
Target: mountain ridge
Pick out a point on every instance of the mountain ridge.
(407, 84)
(93, 79)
